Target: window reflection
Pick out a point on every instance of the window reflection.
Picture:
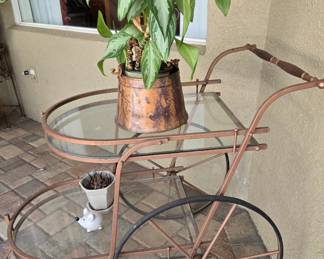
(70, 12)
(78, 13)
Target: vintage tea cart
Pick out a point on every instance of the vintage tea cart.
(80, 128)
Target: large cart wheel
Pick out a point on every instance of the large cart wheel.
(229, 219)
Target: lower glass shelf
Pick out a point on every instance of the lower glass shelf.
(47, 228)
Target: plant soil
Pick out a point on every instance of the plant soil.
(95, 181)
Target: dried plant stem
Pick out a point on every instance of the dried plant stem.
(97, 180)
(137, 23)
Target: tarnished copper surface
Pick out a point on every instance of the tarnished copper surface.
(157, 109)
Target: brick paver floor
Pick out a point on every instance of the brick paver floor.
(27, 166)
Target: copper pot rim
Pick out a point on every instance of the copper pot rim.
(138, 82)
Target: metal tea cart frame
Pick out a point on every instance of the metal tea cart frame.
(137, 143)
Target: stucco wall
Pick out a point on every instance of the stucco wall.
(287, 180)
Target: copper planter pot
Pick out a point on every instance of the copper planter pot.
(157, 109)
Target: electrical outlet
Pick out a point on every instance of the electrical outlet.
(30, 72)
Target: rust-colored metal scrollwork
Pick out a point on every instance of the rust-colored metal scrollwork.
(241, 150)
(120, 164)
(219, 58)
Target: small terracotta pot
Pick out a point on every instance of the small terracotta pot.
(157, 109)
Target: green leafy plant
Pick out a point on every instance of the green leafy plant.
(151, 30)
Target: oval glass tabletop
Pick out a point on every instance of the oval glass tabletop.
(90, 123)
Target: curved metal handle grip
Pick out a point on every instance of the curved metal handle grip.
(286, 66)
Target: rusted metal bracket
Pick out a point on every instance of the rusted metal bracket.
(201, 82)
(7, 219)
(197, 90)
(235, 140)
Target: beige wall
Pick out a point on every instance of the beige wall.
(287, 180)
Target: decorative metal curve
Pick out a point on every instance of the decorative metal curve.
(11, 230)
(208, 198)
(256, 119)
(118, 173)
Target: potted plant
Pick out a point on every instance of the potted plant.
(99, 188)
(150, 97)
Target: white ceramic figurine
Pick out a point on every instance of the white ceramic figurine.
(90, 221)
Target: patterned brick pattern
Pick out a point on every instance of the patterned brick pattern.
(27, 166)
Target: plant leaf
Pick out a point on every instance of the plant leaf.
(88, 2)
(102, 27)
(100, 65)
(188, 7)
(223, 5)
(131, 30)
(189, 53)
(180, 5)
(116, 45)
(137, 7)
(121, 59)
(150, 64)
(123, 7)
(163, 11)
(163, 43)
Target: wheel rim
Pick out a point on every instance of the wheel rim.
(206, 198)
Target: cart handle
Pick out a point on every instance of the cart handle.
(286, 66)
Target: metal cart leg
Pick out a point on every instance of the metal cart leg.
(118, 173)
